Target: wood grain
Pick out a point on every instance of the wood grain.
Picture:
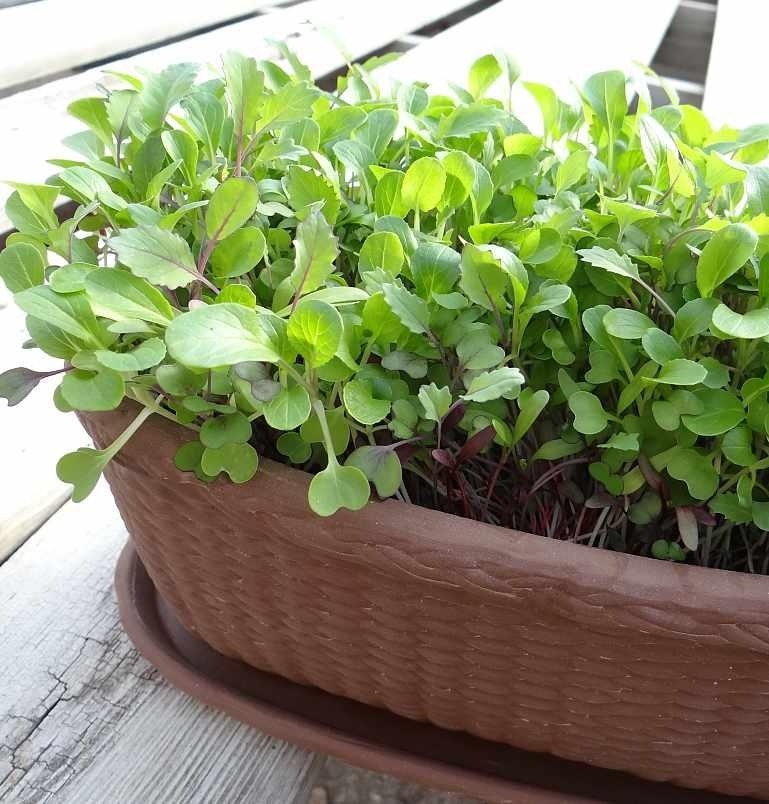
(324, 33)
(83, 718)
(93, 38)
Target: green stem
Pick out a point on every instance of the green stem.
(320, 412)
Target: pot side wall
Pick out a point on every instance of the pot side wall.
(614, 660)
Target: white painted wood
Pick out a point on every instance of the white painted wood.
(35, 121)
(34, 435)
(735, 87)
(77, 32)
(83, 718)
(556, 42)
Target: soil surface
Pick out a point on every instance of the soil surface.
(342, 784)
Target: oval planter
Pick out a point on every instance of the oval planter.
(614, 660)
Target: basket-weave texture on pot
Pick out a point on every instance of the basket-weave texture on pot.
(614, 660)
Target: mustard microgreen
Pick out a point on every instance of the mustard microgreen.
(562, 329)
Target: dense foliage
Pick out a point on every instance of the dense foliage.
(562, 332)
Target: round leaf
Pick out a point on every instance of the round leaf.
(239, 461)
(288, 409)
(338, 487)
(361, 403)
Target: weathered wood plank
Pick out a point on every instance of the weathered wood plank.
(735, 92)
(92, 38)
(34, 436)
(83, 718)
(36, 121)
(584, 38)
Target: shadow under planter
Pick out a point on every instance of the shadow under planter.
(616, 661)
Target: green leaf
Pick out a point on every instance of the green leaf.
(294, 447)
(751, 325)
(121, 296)
(530, 406)
(177, 380)
(696, 471)
(413, 365)
(39, 200)
(381, 466)
(93, 391)
(315, 330)
(737, 446)
(572, 170)
(605, 92)
(288, 409)
(589, 416)
(68, 312)
(237, 294)
(244, 85)
(501, 382)
(660, 346)
(484, 71)
(160, 92)
(411, 311)
(627, 324)
(539, 245)
(382, 250)
(361, 403)
(483, 279)
(680, 372)
(304, 187)
(476, 352)
(693, 318)
(721, 411)
(611, 261)
(423, 184)
(232, 204)
(289, 104)
(471, 119)
(434, 269)
(219, 335)
(627, 213)
(187, 457)
(316, 250)
(157, 255)
(233, 428)
(338, 487)
(337, 295)
(21, 267)
(82, 469)
(627, 442)
(147, 354)
(435, 401)
(312, 432)
(239, 461)
(724, 254)
(70, 278)
(556, 449)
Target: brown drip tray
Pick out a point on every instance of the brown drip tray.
(364, 735)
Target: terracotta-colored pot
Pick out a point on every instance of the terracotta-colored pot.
(613, 660)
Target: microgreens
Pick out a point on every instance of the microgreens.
(414, 295)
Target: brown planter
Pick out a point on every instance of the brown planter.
(613, 660)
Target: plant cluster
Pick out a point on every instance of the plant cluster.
(564, 332)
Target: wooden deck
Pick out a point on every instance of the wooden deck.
(83, 718)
